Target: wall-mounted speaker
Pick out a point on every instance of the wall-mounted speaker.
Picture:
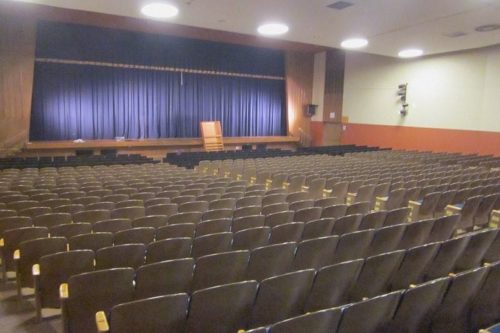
(310, 110)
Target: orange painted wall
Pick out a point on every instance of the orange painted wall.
(316, 128)
(433, 139)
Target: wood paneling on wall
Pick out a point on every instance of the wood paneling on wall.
(17, 60)
(299, 78)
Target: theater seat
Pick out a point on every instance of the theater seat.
(161, 314)
(221, 309)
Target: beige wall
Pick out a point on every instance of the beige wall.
(451, 91)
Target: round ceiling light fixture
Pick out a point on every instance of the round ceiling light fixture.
(410, 53)
(354, 43)
(159, 10)
(273, 29)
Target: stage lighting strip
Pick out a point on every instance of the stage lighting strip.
(156, 68)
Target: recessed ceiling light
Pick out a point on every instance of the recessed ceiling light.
(354, 43)
(159, 10)
(272, 29)
(410, 53)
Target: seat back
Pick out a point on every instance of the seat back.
(57, 268)
(188, 217)
(93, 241)
(220, 268)
(275, 219)
(31, 251)
(92, 292)
(163, 278)
(387, 239)
(416, 234)
(353, 245)
(414, 263)
(443, 228)
(249, 239)
(376, 313)
(92, 216)
(332, 285)
(223, 308)
(166, 209)
(346, 224)
(70, 230)
(213, 243)
(271, 260)
(315, 253)
(325, 321)
(447, 255)
(382, 266)
(417, 305)
(12, 238)
(281, 297)
(112, 225)
(247, 222)
(217, 214)
(150, 221)
(477, 247)
(288, 232)
(374, 220)
(176, 230)
(126, 255)
(143, 235)
(168, 249)
(453, 313)
(318, 228)
(157, 314)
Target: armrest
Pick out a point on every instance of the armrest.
(414, 210)
(413, 286)
(63, 291)
(252, 180)
(239, 176)
(286, 185)
(495, 219)
(452, 275)
(380, 203)
(2, 243)
(101, 322)
(350, 198)
(451, 210)
(305, 188)
(17, 255)
(268, 183)
(35, 270)
(327, 193)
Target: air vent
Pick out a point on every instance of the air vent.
(339, 5)
(456, 34)
(487, 27)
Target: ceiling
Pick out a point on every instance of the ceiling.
(389, 25)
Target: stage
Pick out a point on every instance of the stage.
(151, 147)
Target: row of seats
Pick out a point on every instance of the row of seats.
(443, 305)
(72, 161)
(216, 236)
(453, 255)
(191, 159)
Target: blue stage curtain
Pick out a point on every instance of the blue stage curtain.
(72, 101)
